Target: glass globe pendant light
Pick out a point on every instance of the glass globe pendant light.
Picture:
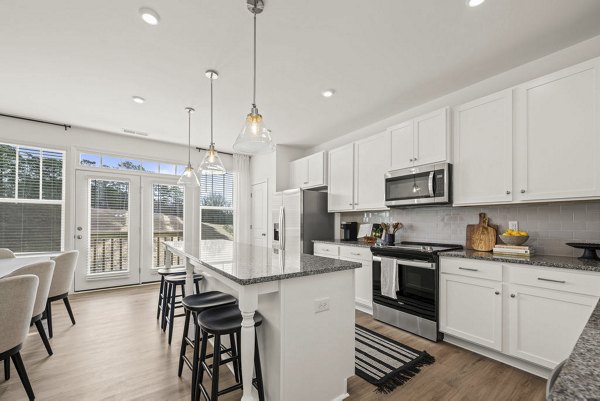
(254, 138)
(189, 177)
(211, 164)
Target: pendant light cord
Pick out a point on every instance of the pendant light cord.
(254, 90)
(189, 137)
(212, 142)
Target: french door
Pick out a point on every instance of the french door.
(121, 220)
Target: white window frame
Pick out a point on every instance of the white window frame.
(231, 208)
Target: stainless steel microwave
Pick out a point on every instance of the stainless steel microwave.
(424, 185)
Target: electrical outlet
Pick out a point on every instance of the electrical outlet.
(321, 305)
(513, 225)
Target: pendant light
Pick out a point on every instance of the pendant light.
(211, 164)
(189, 177)
(254, 137)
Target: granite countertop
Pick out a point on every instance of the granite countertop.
(563, 262)
(361, 244)
(579, 378)
(247, 264)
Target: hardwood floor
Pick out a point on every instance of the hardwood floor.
(117, 352)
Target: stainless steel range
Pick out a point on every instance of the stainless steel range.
(405, 286)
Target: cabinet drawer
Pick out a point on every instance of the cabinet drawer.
(562, 280)
(330, 250)
(471, 268)
(354, 252)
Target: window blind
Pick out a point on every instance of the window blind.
(167, 221)
(108, 249)
(216, 200)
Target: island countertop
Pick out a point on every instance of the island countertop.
(248, 264)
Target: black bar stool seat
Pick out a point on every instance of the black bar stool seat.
(173, 281)
(162, 292)
(166, 272)
(225, 320)
(194, 304)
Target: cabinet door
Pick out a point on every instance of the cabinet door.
(402, 152)
(471, 309)
(544, 325)
(341, 179)
(299, 173)
(431, 137)
(316, 170)
(372, 161)
(559, 135)
(483, 133)
(363, 277)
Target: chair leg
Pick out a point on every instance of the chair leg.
(198, 287)
(186, 328)
(7, 369)
(234, 354)
(172, 311)
(197, 346)
(166, 297)
(20, 367)
(48, 314)
(68, 306)
(200, 368)
(40, 328)
(258, 370)
(160, 296)
(214, 396)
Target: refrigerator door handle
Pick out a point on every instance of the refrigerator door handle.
(282, 228)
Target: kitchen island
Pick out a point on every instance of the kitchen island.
(306, 340)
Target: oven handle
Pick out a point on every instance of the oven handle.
(431, 189)
(416, 263)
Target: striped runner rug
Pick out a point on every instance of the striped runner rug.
(386, 363)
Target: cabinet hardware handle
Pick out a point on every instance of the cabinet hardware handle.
(351, 204)
(512, 295)
(79, 237)
(522, 191)
(410, 160)
(326, 249)
(466, 268)
(507, 192)
(552, 281)
(497, 292)
(356, 204)
(415, 159)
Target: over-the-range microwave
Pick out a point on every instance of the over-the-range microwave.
(419, 186)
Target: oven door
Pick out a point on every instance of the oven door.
(417, 185)
(417, 283)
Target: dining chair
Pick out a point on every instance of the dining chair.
(44, 271)
(17, 297)
(6, 253)
(64, 271)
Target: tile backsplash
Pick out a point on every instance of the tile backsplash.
(550, 225)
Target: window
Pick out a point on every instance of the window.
(216, 207)
(167, 222)
(123, 163)
(31, 199)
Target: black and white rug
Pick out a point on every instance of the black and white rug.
(386, 363)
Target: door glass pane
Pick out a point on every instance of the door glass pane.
(109, 226)
(167, 222)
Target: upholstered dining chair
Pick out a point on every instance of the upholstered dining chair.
(17, 297)
(64, 269)
(44, 271)
(6, 253)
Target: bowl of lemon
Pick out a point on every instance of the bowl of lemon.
(514, 237)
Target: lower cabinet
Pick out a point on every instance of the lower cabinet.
(543, 324)
(471, 308)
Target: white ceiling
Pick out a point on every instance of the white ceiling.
(80, 61)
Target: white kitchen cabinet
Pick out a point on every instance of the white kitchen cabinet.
(372, 161)
(558, 135)
(340, 192)
(363, 278)
(420, 141)
(471, 309)
(308, 172)
(544, 324)
(482, 168)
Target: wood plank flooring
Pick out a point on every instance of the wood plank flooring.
(117, 352)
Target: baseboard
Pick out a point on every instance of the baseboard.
(341, 397)
(500, 357)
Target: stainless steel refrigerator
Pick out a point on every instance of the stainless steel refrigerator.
(299, 217)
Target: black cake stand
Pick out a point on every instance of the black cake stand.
(589, 252)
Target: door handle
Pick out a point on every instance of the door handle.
(430, 186)
(79, 236)
(79, 228)
(264, 235)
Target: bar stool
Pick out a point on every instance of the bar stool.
(172, 282)
(225, 320)
(194, 304)
(161, 292)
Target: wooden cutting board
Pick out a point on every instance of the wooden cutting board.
(482, 236)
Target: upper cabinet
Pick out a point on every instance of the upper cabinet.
(308, 172)
(340, 192)
(483, 132)
(420, 141)
(372, 161)
(558, 135)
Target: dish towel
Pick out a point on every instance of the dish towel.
(389, 278)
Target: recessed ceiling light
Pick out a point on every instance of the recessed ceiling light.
(328, 93)
(149, 16)
(474, 3)
(138, 99)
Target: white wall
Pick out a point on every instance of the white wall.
(564, 58)
(80, 139)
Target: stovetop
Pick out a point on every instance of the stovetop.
(408, 247)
